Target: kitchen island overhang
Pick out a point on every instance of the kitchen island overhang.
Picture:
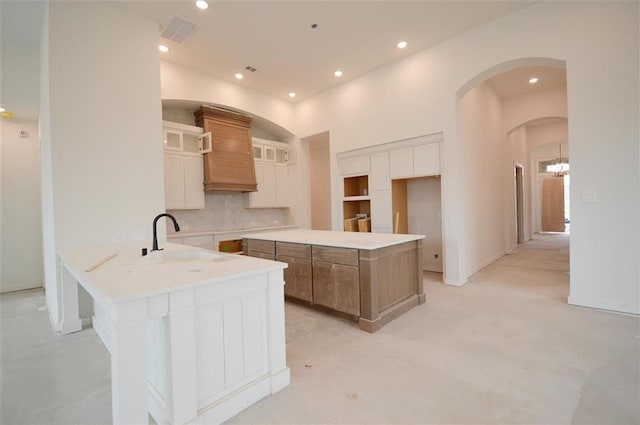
(371, 278)
(194, 336)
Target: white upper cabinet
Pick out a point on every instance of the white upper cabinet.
(426, 160)
(272, 175)
(401, 163)
(379, 178)
(183, 189)
(173, 140)
(354, 165)
(183, 166)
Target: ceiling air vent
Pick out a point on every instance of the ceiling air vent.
(250, 68)
(178, 29)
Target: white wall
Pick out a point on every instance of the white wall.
(480, 134)
(417, 95)
(21, 251)
(180, 83)
(424, 212)
(518, 110)
(102, 115)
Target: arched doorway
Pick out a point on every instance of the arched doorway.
(503, 115)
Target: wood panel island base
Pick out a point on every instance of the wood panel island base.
(371, 278)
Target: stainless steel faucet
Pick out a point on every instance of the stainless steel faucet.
(155, 231)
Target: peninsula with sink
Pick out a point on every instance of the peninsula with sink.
(195, 336)
(371, 278)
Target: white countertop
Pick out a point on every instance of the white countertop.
(129, 275)
(358, 240)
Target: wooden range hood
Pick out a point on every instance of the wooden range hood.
(229, 166)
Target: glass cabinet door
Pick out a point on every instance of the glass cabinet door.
(173, 140)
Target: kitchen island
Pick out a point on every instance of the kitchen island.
(195, 336)
(370, 278)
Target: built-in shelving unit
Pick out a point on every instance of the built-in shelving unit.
(355, 203)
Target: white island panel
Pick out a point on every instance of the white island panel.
(194, 336)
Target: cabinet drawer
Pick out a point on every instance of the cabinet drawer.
(346, 256)
(262, 246)
(293, 249)
(259, 254)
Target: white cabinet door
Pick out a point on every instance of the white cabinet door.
(173, 140)
(183, 177)
(257, 199)
(269, 186)
(379, 178)
(401, 163)
(354, 165)
(173, 182)
(193, 183)
(282, 186)
(381, 215)
(273, 186)
(426, 160)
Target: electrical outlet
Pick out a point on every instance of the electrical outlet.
(589, 197)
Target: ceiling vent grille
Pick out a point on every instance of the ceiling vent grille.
(250, 68)
(178, 29)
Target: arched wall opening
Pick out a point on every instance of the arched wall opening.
(228, 211)
(494, 118)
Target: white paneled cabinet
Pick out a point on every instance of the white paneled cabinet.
(401, 163)
(381, 214)
(273, 186)
(354, 165)
(282, 186)
(404, 159)
(416, 161)
(379, 177)
(426, 160)
(183, 176)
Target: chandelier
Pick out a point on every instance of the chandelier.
(559, 166)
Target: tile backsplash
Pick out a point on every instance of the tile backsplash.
(226, 211)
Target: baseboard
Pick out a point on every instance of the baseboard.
(603, 305)
(486, 263)
(234, 403)
(280, 380)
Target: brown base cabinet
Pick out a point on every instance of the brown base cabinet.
(337, 286)
(370, 286)
(297, 278)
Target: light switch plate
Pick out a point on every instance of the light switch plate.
(589, 197)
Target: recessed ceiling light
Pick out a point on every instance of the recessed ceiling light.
(163, 48)
(239, 76)
(401, 44)
(2, 109)
(201, 4)
(533, 80)
(292, 94)
(338, 73)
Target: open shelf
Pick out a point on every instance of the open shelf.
(356, 201)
